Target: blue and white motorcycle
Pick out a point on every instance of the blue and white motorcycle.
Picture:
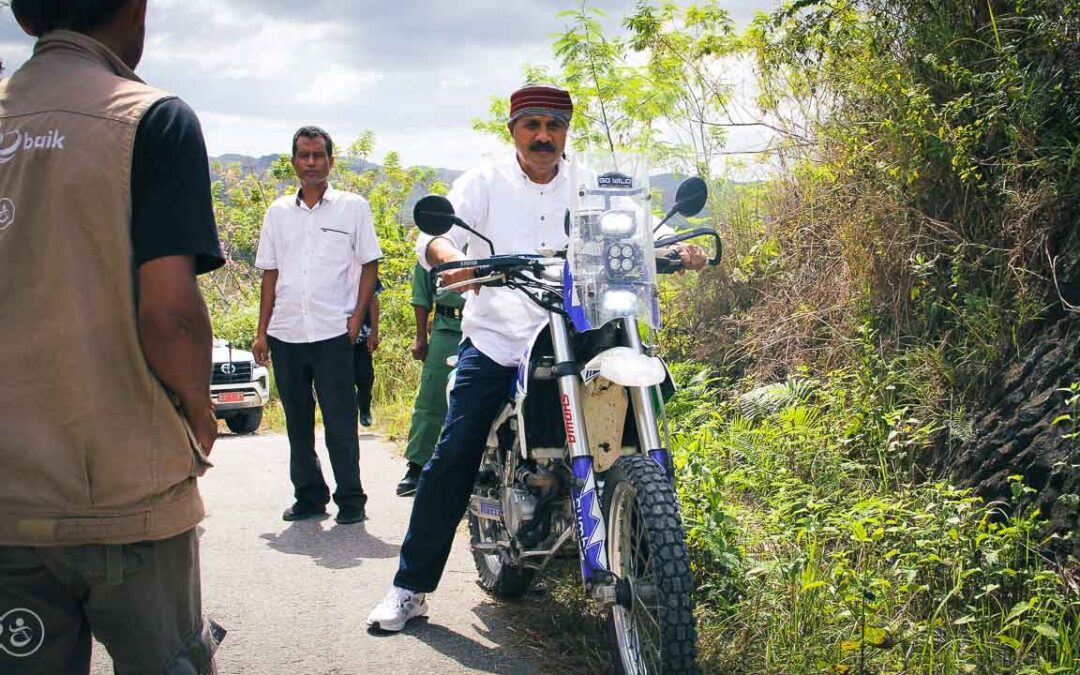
(578, 453)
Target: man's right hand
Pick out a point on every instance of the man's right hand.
(419, 350)
(456, 276)
(261, 350)
(440, 251)
(204, 424)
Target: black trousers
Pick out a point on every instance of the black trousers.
(364, 371)
(323, 369)
(142, 601)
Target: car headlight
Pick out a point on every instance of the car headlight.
(617, 223)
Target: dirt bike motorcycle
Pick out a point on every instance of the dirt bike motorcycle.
(576, 455)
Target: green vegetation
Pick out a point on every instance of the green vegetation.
(815, 552)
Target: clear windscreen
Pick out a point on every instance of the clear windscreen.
(611, 269)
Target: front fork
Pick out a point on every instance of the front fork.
(644, 412)
(591, 529)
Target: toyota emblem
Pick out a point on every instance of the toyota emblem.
(228, 368)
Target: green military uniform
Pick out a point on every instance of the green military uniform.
(429, 410)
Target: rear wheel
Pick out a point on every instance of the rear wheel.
(246, 422)
(497, 575)
(652, 622)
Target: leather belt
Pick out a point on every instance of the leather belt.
(452, 312)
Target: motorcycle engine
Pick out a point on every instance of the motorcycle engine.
(519, 507)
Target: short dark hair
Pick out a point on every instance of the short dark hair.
(313, 132)
(42, 16)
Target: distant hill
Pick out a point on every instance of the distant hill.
(260, 165)
(666, 183)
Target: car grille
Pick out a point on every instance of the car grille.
(224, 376)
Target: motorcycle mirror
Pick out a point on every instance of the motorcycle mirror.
(689, 199)
(434, 215)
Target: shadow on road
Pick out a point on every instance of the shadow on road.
(334, 547)
(471, 654)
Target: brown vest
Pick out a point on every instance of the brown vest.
(92, 450)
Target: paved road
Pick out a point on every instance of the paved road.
(294, 596)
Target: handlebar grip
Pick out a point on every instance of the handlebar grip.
(479, 271)
(668, 263)
(694, 234)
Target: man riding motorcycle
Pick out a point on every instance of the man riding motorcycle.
(519, 203)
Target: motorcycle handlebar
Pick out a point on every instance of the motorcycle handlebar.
(684, 236)
(486, 270)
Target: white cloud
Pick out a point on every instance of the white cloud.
(415, 72)
(337, 84)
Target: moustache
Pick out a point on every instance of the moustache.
(539, 146)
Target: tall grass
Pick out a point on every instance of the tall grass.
(815, 552)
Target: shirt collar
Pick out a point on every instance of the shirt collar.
(329, 196)
(512, 169)
(88, 47)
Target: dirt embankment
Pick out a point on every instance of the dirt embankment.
(1016, 434)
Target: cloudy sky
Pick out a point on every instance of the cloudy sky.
(415, 72)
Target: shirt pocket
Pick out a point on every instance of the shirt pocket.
(333, 244)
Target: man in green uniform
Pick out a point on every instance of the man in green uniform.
(429, 410)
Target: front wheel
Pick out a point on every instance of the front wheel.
(246, 422)
(653, 618)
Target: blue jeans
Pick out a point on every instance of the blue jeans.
(481, 388)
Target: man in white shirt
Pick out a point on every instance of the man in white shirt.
(320, 259)
(520, 204)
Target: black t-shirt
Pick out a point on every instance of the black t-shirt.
(171, 210)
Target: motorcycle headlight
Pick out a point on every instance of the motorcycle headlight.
(617, 223)
(619, 302)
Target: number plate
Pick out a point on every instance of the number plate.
(231, 397)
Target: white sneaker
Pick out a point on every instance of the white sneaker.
(397, 608)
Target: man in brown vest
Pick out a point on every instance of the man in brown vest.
(105, 352)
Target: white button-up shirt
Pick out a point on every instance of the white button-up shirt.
(519, 216)
(318, 253)
(502, 203)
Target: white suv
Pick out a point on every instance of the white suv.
(239, 387)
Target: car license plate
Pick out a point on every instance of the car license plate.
(231, 397)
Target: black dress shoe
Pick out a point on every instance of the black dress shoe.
(365, 420)
(350, 515)
(300, 511)
(408, 484)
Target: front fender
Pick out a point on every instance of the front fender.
(626, 366)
